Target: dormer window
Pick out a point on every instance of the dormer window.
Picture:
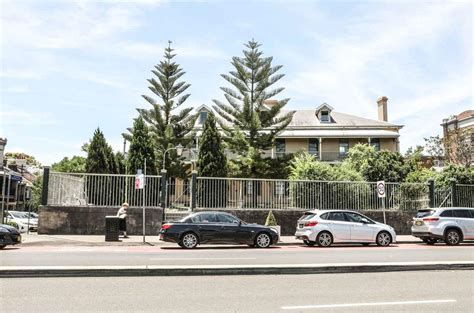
(324, 116)
(202, 117)
(323, 112)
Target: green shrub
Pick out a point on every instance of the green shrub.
(271, 220)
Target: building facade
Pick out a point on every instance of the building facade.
(326, 133)
(458, 138)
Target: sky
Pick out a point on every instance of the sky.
(68, 67)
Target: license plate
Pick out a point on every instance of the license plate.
(419, 223)
(18, 239)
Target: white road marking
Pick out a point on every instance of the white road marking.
(168, 259)
(348, 305)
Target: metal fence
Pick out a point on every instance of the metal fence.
(237, 193)
(70, 189)
(465, 195)
(182, 195)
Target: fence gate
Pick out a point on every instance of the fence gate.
(178, 198)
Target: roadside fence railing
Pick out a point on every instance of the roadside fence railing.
(239, 193)
(183, 195)
(71, 189)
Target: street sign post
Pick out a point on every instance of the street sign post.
(140, 184)
(381, 194)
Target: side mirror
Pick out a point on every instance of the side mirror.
(364, 221)
(240, 223)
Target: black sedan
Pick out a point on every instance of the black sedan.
(9, 236)
(217, 227)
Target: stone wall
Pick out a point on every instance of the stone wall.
(400, 221)
(91, 220)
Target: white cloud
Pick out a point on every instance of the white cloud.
(72, 25)
(383, 53)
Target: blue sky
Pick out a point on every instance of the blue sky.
(68, 67)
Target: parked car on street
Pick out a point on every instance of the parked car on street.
(217, 227)
(21, 220)
(325, 227)
(452, 225)
(9, 235)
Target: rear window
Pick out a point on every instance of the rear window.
(462, 213)
(447, 213)
(424, 213)
(308, 216)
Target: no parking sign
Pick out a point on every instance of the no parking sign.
(381, 189)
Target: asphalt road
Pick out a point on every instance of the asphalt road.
(444, 291)
(229, 255)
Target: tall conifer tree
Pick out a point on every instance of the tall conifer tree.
(169, 128)
(98, 157)
(249, 124)
(212, 161)
(141, 148)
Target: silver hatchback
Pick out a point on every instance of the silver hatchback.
(452, 225)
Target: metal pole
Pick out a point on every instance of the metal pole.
(383, 210)
(144, 186)
(3, 196)
(29, 212)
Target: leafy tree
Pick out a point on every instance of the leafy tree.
(311, 182)
(168, 128)
(212, 161)
(434, 147)
(386, 165)
(76, 164)
(461, 174)
(359, 156)
(249, 125)
(141, 148)
(98, 156)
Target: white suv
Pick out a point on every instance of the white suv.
(452, 225)
(325, 227)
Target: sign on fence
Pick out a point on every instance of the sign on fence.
(381, 189)
(139, 180)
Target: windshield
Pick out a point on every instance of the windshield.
(307, 216)
(18, 215)
(424, 213)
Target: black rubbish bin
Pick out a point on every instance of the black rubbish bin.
(112, 228)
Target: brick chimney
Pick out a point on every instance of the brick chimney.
(382, 108)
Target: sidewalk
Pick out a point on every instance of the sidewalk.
(33, 239)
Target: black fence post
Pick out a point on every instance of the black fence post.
(193, 189)
(454, 196)
(163, 189)
(431, 191)
(44, 191)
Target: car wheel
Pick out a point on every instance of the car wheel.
(430, 241)
(263, 240)
(309, 243)
(384, 239)
(452, 237)
(189, 241)
(1, 247)
(324, 239)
